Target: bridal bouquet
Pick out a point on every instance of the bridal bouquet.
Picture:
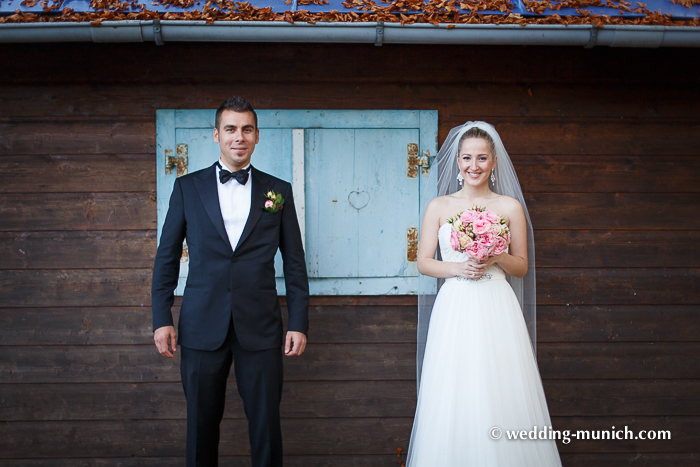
(479, 232)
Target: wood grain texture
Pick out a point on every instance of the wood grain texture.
(646, 397)
(663, 459)
(613, 211)
(330, 437)
(78, 173)
(349, 325)
(224, 461)
(542, 136)
(619, 361)
(607, 173)
(132, 325)
(80, 135)
(555, 286)
(166, 401)
(634, 286)
(76, 287)
(142, 363)
(339, 362)
(77, 211)
(75, 249)
(618, 323)
(617, 248)
(485, 99)
(332, 399)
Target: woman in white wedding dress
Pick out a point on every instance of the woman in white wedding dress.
(479, 370)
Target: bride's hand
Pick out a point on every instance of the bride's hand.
(469, 269)
(492, 260)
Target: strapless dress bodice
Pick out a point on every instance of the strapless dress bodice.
(492, 272)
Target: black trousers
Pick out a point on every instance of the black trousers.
(259, 377)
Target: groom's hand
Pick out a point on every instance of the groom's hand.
(294, 344)
(161, 337)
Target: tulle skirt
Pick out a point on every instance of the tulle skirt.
(479, 373)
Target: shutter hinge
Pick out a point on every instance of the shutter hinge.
(412, 153)
(412, 244)
(179, 162)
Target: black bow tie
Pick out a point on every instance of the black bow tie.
(241, 176)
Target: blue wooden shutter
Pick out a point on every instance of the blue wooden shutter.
(356, 193)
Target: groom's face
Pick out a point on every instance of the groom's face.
(237, 137)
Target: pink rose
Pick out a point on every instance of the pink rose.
(481, 226)
(269, 203)
(489, 216)
(487, 239)
(496, 229)
(454, 241)
(500, 247)
(469, 216)
(473, 249)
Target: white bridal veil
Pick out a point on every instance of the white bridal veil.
(445, 179)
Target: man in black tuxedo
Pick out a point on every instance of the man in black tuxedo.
(230, 309)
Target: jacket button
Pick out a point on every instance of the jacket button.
(233, 260)
(228, 289)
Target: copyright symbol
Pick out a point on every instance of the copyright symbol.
(495, 433)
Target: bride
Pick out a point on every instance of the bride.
(477, 369)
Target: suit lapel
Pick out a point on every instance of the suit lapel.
(207, 188)
(257, 203)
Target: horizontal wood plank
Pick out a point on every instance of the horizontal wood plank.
(568, 460)
(634, 286)
(613, 211)
(618, 323)
(607, 174)
(544, 174)
(617, 248)
(484, 99)
(310, 437)
(332, 399)
(137, 211)
(77, 173)
(166, 401)
(76, 287)
(371, 324)
(133, 325)
(80, 135)
(142, 363)
(224, 461)
(342, 362)
(77, 211)
(646, 397)
(555, 286)
(75, 249)
(542, 136)
(350, 436)
(619, 361)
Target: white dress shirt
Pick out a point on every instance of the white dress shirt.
(234, 201)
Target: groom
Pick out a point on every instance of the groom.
(230, 311)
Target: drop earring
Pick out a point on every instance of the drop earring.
(460, 179)
(493, 176)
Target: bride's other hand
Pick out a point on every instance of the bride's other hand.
(469, 269)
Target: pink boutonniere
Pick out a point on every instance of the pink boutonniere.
(274, 202)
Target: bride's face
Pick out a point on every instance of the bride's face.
(475, 161)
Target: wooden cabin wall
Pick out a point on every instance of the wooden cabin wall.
(607, 146)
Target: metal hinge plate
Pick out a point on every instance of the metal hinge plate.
(179, 162)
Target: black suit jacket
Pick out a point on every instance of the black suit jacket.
(224, 284)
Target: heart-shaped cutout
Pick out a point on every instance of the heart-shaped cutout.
(358, 199)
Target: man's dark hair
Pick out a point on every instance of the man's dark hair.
(236, 104)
